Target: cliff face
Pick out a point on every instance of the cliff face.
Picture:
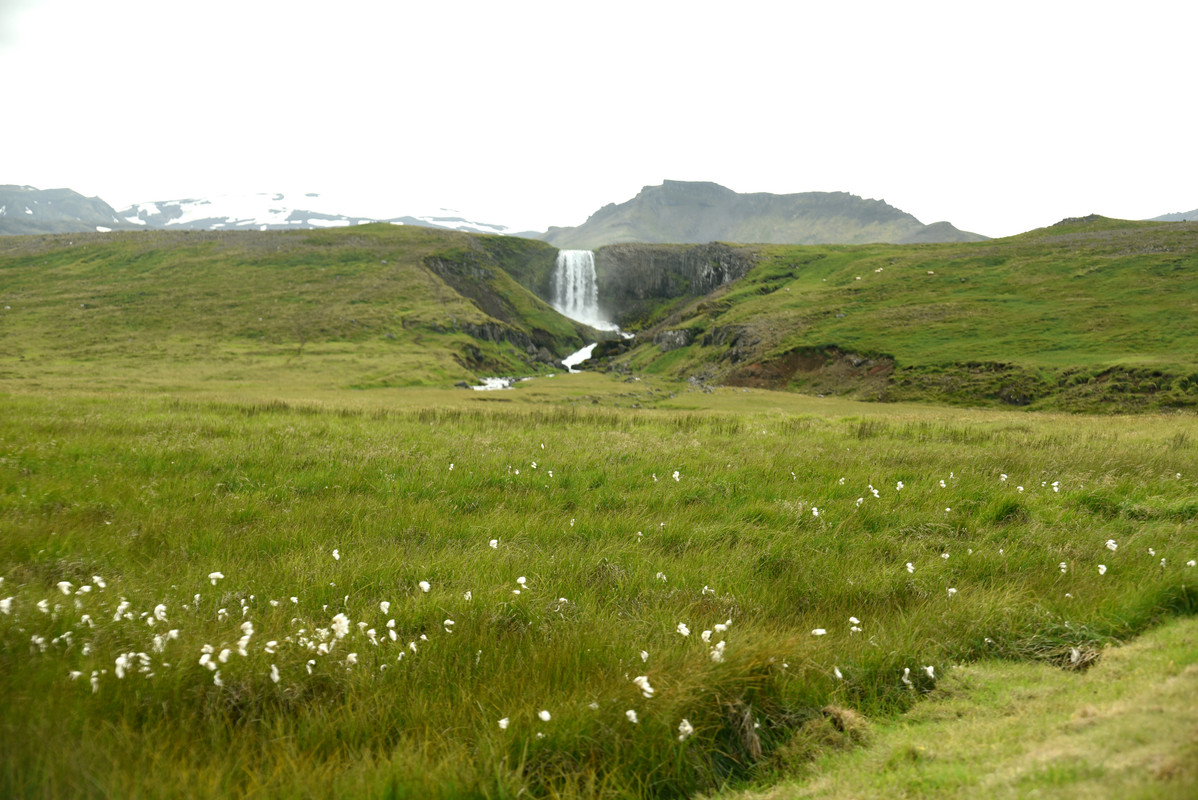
(635, 280)
(693, 212)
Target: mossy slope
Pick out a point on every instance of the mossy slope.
(1088, 314)
(406, 305)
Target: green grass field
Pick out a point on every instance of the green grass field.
(564, 540)
(253, 545)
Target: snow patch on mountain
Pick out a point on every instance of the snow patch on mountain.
(279, 211)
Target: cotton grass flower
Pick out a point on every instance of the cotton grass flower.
(1111, 545)
(336, 554)
(1102, 569)
(64, 587)
(642, 683)
(503, 723)
(644, 655)
(424, 586)
(683, 629)
(931, 671)
(493, 544)
(385, 607)
(951, 591)
(544, 715)
(910, 567)
(274, 673)
(631, 715)
(818, 632)
(685, 730)
(215, 576)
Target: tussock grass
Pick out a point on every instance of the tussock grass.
(153, 494)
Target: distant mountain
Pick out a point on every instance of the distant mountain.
(26, 210)
(686, 212)
(277, 212)
(1180, 216)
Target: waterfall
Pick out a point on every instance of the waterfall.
(575, 293)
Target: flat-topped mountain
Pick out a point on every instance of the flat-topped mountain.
(687, 212)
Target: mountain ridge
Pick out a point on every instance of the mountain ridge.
(696, 212)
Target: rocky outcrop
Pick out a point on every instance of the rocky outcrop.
(634, 279)
(672, 340)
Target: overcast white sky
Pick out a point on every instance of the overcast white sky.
(997, 116)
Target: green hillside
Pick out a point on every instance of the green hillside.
(1088, 314)
(370, 306)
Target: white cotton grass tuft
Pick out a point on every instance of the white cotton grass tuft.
(215, 576)
(544, 715)
(424, 586)
(1102, 569)
(1112, 545)
(631, 716)
(336, 554)
(503, 723)
(685, 730)
(493, 544)
(818, 632)
(642, 683)
(683, 629)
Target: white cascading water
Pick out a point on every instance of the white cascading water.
(575, 293)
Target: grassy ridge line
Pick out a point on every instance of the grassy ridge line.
(154, 494)
(1123, 729)
(375, 305)
(1089, 314)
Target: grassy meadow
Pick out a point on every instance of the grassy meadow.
(280, 591)
(1088, 315)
